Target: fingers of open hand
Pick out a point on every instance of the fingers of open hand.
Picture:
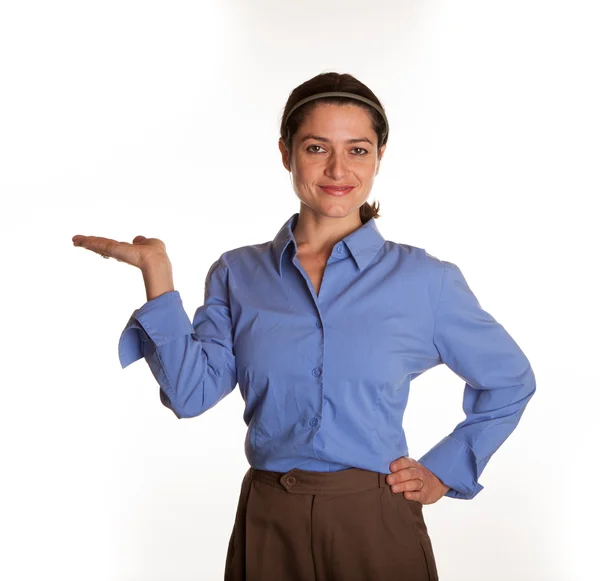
(106, 247)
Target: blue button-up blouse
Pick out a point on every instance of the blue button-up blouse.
(325, 377)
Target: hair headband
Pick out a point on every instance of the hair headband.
(341, 94)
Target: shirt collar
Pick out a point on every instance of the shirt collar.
(364, 243)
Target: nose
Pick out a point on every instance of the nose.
(336, 167)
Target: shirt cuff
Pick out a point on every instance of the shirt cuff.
(454, 463)
(161, 320)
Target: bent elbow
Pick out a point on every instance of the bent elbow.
(180, 412)
(531, 381)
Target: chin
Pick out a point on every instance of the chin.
(331, 206)
(338, 210)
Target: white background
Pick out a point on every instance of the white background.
(120, 118)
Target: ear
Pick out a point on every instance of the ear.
(381, 151)
(285, 157)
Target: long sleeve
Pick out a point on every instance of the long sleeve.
(193, 362)
(499, 384)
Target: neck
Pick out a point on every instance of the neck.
(318, 234)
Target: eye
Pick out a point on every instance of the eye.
(354, 149)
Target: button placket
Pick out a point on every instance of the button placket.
(316, 372)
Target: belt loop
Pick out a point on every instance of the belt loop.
(382, 482)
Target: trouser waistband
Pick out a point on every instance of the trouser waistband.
(310, 482)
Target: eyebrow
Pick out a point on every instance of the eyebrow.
(318, 138)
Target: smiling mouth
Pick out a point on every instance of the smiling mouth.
(336, 191)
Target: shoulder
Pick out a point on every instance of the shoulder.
(433, 273)
(417, 257)
(242, 256)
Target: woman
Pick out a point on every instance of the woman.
(323, 328)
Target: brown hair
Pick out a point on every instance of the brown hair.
(333, 82)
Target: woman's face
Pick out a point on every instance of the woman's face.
(334, 146)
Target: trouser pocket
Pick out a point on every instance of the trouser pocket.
(412, 510)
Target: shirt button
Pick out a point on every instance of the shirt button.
(313, 422)
(319, 324)
(340, 248)
(316, 372)
(290, 480)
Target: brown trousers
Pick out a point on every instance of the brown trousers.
(327, 526)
